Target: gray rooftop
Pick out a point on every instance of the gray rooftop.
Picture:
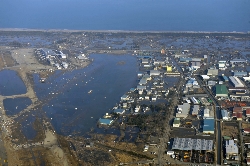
(192, 144)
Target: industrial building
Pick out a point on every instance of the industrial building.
(48, 53)
(192, 144)
(208, 127)
(236, 82)
(240, 74)
(238, 61)
(231, 148)
(221, 91)
(183, 110)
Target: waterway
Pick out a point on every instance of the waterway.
(77, 99)
(11, 83)
(13, 106)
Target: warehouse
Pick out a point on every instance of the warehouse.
(192, 144)
(221, 91)
(238, 61)
(208, 127)
(236, 82)
(240, 74)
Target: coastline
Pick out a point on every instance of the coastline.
(121, 31)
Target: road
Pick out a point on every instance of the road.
(217, 117)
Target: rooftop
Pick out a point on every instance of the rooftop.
(105, 121)
(192, 144)
(221, 89)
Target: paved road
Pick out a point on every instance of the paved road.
(217, 117)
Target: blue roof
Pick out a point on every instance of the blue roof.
(208, 124)
(105, 121)
(225, 78)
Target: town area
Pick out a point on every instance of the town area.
(190, 105)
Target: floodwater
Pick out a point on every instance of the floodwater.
(11, 83)
(75, 100)
(13, 106)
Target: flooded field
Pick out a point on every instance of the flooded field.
(15, 105)
(11, 83)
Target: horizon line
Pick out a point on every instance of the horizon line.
(115, 31)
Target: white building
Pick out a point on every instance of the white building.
(183, 110)
(236, 82)
(65, 65)
(196, 109)
(231, 149)
(224, 115)
(154, 72)
(206, 112)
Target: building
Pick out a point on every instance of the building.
(224, 115)
(105, 121)
(169, 68)
(212, 72)
(145, 61)
(119, 111)
(208, 127)
(238, 61)
(65, 65)
(183, 110)
(231, 148)
(192, 144)
(205, 77)
(195, 65)
(221, 91)
(225, 78)
(177, 122)
(237, 113)
(125, 97)
(248, 112)
(206, 113)
(154, 72)
(222, 64)
(48, 53)
(211, 83)
(195, 110)
(240, 74)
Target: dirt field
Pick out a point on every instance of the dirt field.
(230, 129)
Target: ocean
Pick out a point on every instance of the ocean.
(134, 15)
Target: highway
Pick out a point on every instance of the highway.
(218, 117)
